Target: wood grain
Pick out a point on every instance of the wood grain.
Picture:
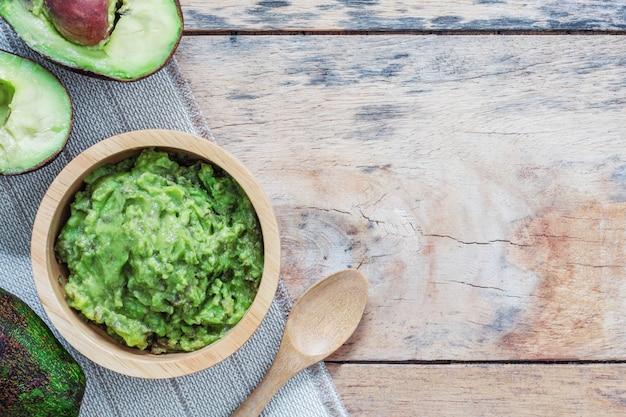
(481, 390)
(372, 15)
(478, 181)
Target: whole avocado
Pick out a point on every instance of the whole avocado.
(38, 376)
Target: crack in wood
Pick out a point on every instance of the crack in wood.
(476, 285)
(489, 242)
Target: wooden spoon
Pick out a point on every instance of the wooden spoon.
(320, 322)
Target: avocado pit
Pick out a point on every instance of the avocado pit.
(84, 22)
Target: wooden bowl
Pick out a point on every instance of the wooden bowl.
(88, 338)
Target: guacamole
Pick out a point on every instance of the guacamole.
(165, 253)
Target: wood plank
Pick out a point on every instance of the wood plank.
(482, 390)
(478, 181)
(404, 15)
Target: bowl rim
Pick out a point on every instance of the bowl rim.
(88, 339)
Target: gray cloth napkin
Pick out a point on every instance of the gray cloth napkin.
(104, 108)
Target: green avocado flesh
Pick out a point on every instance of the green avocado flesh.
(35, 114)
(38, 377)
(164, 252)
(145, 35)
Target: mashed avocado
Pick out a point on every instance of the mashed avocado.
(163, 252)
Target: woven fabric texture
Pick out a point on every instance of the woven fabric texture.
(103, 108)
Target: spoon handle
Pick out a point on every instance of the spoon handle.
(258, 399)
(285, 365)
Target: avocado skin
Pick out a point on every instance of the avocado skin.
(38, 376)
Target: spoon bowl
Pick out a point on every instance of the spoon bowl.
(327, 314)
(322, 320)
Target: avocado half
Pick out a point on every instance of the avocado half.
(143, 36)
(35, 115)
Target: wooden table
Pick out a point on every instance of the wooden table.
(470, 158)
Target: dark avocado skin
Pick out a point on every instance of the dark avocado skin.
(38, 376)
